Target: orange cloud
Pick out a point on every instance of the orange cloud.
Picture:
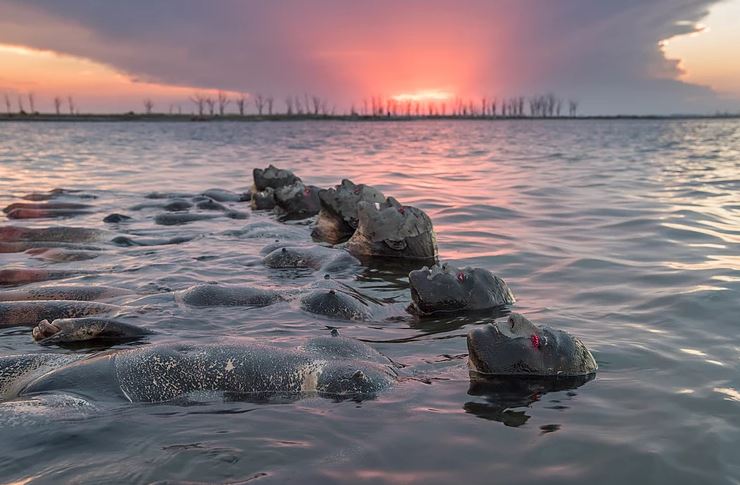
(95, 87)
(709, 56)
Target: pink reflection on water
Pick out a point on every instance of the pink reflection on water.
(388, 476)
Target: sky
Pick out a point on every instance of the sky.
(613, 57)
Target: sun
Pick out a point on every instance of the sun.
(424, 95)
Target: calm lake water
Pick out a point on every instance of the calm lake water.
(624, 233)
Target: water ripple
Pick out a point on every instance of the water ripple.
(622, 232)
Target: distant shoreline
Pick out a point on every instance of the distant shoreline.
(283, 117)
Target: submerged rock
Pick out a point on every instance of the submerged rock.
(115, 218)
(391, 230)
(338, 217)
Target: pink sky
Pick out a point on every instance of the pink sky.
(612, 58)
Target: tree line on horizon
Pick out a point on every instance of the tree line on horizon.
(539, 106)
(207, 105)
(29, 101)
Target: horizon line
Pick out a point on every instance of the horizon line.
(192, 117)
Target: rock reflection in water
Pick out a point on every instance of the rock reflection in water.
(501, 396)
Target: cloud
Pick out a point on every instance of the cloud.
(606, 54)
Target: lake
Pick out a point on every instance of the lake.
(625, 233)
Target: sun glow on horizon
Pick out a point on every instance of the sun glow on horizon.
(424, 95)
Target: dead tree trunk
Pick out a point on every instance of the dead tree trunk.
(223, 102)
(241, 101)
(259, 103)
(572, 108)
(289, 106)
(200, 102)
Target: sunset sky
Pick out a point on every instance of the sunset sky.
(627, 56)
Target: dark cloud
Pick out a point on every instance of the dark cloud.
(605, 53)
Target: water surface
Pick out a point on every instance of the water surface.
(625, 233)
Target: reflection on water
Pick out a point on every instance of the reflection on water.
(624, 233)
(500, 396)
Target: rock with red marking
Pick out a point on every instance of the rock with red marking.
(297, 201)
(520, 348)
(447, 289)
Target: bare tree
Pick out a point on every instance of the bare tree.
(298, 105)
(223, 102)
(7, 102)
(20, 105)
(31, 103)
(550, 104)
(541, 104)
(211, 103)
(459, 109)
(241, 101)
(148, 106)
(259, 103)
(270, 101)
(71, 105)
(289, 106)
(572, 108)
(199, 99)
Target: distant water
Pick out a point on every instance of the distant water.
(625, 233)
